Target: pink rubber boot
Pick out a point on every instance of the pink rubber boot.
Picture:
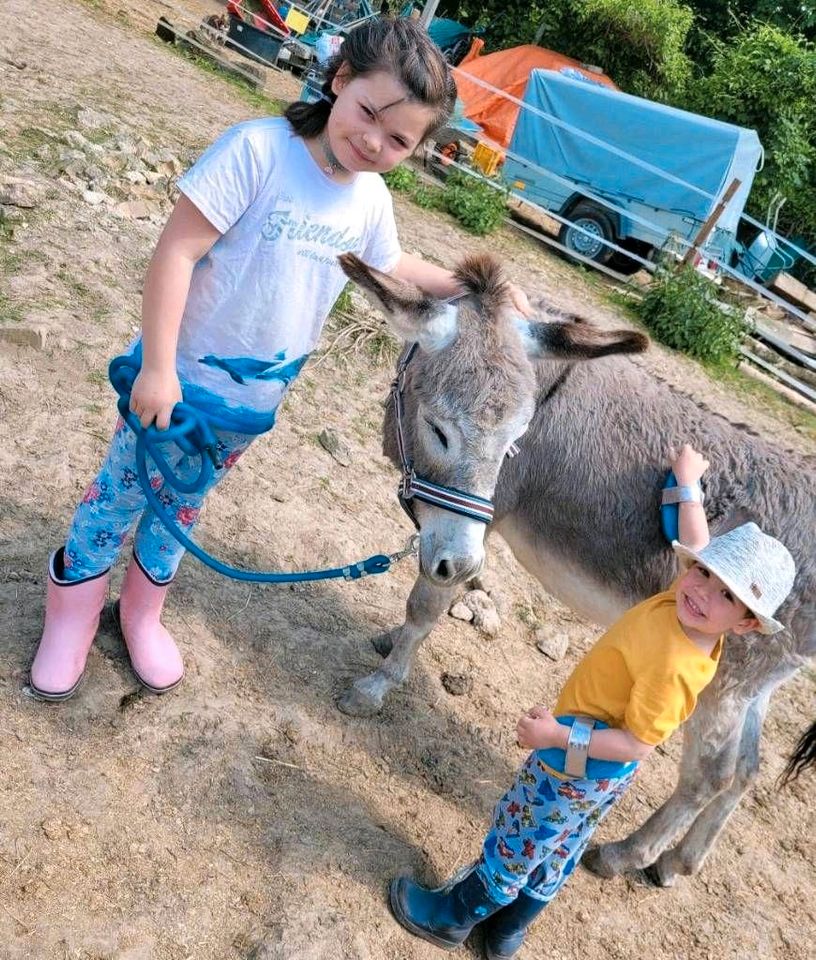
(72, 610)
(154, 656)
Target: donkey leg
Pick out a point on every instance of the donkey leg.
(425, 605)
(710, 749)
(688, 856)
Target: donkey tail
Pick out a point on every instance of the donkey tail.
(802, 757)
(482, 275)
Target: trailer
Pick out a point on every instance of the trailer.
(627, 170)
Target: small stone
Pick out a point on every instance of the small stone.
(137, 209)
(53, 828)
(139, 951)
(457, 684)
(459, 611)
(75, 139)
(24, 336)
(552, 645)
(641, 279)
(20, 193)
(93, 197)
(485, 615)
(135, 176)
(92, 120)
(333, 445)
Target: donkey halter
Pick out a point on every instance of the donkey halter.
(413, 487)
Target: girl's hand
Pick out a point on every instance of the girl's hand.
(519, 300)
(153, 397)
(538, 729)
(689, 466)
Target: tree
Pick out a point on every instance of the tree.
(639, 43)
(765, 79)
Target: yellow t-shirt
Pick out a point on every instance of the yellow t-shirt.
(643, 674)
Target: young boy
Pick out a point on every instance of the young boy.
(637, 684)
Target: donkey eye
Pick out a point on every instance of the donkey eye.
(440, 436)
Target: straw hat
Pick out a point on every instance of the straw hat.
(756, 568)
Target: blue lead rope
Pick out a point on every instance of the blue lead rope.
(192, 430)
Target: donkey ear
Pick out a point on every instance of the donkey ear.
(411, 314)
(576, 340)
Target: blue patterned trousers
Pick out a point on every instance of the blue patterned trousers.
(541, 827)
(114, 503)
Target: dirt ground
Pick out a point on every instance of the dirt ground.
(244, 816)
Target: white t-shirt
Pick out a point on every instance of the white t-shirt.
(259, 298)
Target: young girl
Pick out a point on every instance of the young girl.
(637, 684)
(239, 286)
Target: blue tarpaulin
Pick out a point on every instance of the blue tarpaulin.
(706, 153)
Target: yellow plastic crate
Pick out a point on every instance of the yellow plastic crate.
(297, 21)
(487, 159)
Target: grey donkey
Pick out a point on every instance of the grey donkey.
(579, 508)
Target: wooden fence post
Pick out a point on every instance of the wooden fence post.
(713, 217)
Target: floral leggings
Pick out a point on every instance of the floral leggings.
(541, 828)
(114, 502)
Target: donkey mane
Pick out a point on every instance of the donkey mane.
(482, 275)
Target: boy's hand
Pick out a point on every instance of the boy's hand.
(688, 466)
(538, 729)
(153, 397)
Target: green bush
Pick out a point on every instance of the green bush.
(402, 179)
(681, 310)
(429, 197)
(765, 79)
(477, 205)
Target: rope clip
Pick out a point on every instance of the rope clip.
(410, 550)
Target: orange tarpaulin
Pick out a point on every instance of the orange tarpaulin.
(509, 70)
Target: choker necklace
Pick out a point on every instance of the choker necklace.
(333, 165)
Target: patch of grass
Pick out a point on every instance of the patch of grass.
(365, 427)
(98, 378)
(525, 614)
(268, 105)
(343, 302)
(753, 391)
(82, 294)
(9, 312)
(367, 335)
(627, 304)
(6, 229)
(766, 398)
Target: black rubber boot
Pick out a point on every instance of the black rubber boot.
(504, 931)
(444, 917)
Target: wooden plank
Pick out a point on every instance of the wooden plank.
(787, 286)
(801, 388)
(785, 348)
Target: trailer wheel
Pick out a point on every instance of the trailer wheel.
(598, 226)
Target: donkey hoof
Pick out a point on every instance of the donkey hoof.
(356, 704)
(383, 643)
(650, 876)
(593, 861)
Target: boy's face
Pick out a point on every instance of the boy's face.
(373, 125)
(706, 606)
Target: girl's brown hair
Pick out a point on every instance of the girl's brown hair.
(399, 47)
